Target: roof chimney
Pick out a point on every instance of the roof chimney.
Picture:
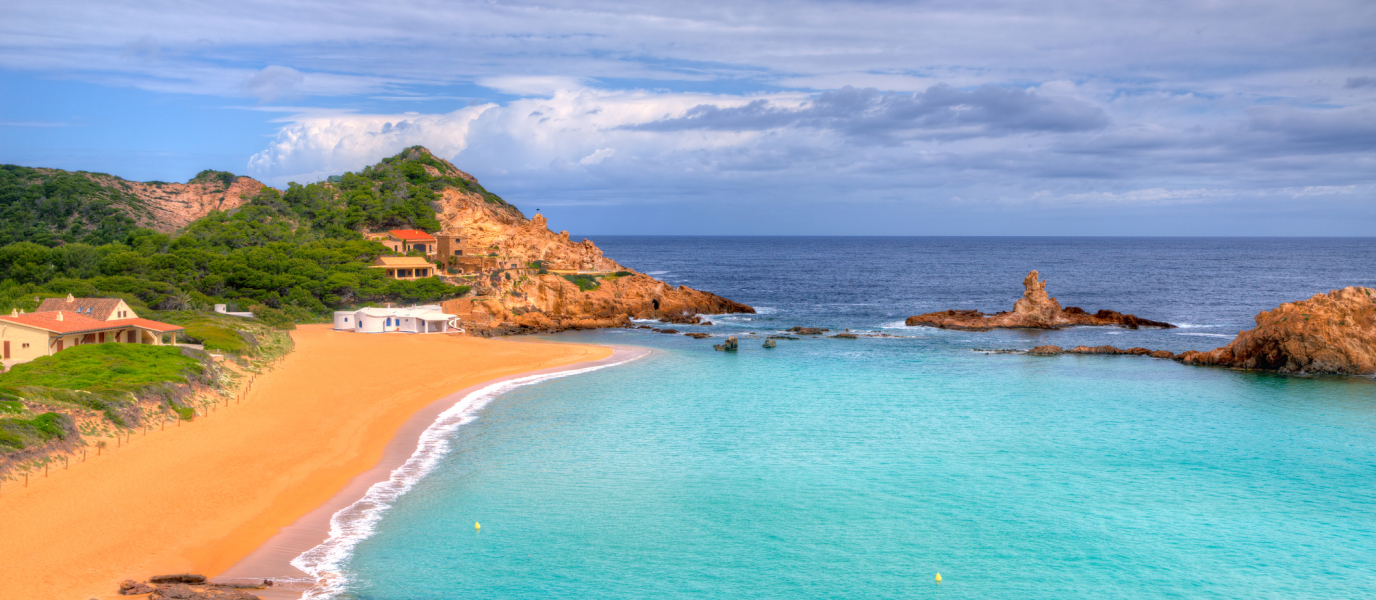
(70, 298)
(14, 312)
(59, 315)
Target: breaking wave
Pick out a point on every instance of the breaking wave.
(356, 522)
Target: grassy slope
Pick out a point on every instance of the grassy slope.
(104, 367)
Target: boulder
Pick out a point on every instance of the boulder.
(809, 330)
(846, 336)
(770, 343)
(698, 336)
(1047, 350)
(177, 578)
(180, 591)
(731, 345)
(129, 587)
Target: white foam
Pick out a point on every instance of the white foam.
(1206, 334)
(655, 272)
(1195, 326)
(355, 523)
(895, 325)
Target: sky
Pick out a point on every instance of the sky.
(971, 117)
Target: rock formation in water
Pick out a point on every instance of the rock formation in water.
(1329, 333)
(731, 345)
(1035, 310)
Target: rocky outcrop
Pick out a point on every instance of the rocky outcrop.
(169, 207)
(177, 578)
(129, 587)
(1329, 333)
(522, 299)
(1035, 310)
(190, 587)
(731, 345)
(770, 343)
(808, 330)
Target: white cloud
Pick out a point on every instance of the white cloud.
(275, 82)
(314, 147)
(598, 156)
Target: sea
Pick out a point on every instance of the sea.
(863, 468)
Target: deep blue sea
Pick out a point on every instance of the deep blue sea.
(831, 468)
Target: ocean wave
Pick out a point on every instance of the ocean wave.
(903, 324)
(356, 522)
(655, 272)
(1195, 326)
(1221, 335)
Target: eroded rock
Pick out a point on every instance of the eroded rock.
(1331, 333)
(770, 343)
(1035, 310)
(730, 345)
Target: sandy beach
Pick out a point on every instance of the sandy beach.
(203, 496)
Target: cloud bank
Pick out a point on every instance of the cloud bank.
(981, 108)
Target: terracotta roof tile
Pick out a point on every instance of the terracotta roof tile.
(149, 324)
(74, 323)
(411, 235)
(96, 308)
(70, 323)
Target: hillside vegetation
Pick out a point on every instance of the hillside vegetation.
(285, 257)
(49, 207)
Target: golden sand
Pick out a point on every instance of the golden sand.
(199, 497)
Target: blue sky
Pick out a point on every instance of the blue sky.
(852, 118)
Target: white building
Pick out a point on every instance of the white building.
(415, 319)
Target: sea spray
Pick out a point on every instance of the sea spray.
(355, 523)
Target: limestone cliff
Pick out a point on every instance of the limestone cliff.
(1035, 310)
(168, 207)
(1329, 333)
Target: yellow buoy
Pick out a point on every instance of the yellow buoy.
(938, 577)
(477, 526)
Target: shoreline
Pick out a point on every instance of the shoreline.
(274, 558)
(202, 496)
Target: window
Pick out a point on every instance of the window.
(26, 345)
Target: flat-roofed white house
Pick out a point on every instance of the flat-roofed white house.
(416, 319)
(63, 323)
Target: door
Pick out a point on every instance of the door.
(59, 345)
(7, 349)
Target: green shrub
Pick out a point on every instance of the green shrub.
(584, 282)
(273, 317)
(11, 407)
(19, 433)
(104, 367)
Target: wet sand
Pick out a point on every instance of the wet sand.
(201, 497)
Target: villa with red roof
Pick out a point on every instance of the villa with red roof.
(402, 241)
(63, 323)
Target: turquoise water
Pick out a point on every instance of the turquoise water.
(832, 468)
(860, 472)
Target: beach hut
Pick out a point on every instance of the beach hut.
(345, 320)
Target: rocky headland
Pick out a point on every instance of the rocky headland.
(1328, 333)
(1332, 333)
(1035, 310)
(545, 281)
